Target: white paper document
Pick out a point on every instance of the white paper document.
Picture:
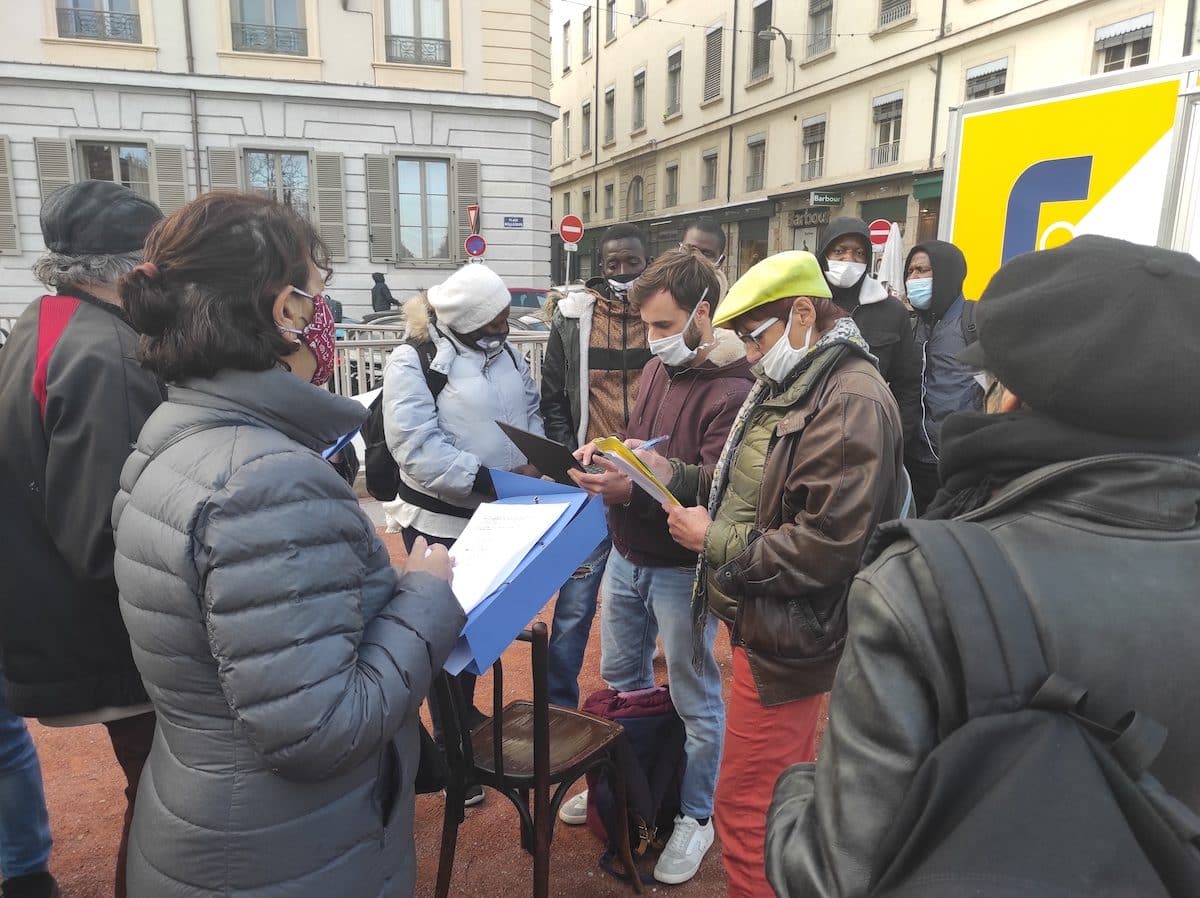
(495, 542)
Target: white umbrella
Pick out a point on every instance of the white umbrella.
(891, 266)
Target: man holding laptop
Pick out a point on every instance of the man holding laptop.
(690, 394)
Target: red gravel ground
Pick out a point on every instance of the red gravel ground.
(84, 792)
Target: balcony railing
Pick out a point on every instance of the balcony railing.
(708, 191)
(885, 154)
(810, 171)
(819, 43)
(418, 50)
(96, 25)
(760, 65)
(608, 211)
(754, 181)
(670, 199)
(270, 39)
(893, 11)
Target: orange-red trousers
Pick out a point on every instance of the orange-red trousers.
(760, 743)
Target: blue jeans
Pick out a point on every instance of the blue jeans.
(24, 823)
(573, 614)
(639, 604)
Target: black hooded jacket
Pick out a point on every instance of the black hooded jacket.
(884, 324)
(948, 385)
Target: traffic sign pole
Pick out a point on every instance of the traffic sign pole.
(570, 229)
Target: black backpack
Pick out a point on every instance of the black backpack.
(967, 322)
(382, 472)
(1029, 796)
(652, 761)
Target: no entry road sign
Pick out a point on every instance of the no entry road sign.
(880, 228)
(570, 229)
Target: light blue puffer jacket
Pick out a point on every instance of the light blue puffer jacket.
(285, 656)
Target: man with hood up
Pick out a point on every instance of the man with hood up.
(881, 318)
(934, 275)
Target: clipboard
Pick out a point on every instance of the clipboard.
(550, 458)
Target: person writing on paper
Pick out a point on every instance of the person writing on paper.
(442, 391)
(692, 391)
(286, 658)
(781, 521)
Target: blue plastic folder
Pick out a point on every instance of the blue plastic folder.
(495, 622)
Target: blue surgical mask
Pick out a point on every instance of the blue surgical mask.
(919, 292)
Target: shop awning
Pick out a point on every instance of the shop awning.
(1125, 32)
(926, 187)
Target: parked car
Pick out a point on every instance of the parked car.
(527, 297)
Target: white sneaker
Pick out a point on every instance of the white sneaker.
(685, 850)
(574, 810)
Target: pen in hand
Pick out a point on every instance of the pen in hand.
(650, 444)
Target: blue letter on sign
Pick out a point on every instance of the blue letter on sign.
(1052, 181)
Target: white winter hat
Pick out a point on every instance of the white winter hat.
(469, 298)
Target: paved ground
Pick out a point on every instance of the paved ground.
(83, 789)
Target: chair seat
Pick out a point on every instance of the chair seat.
(575, 739)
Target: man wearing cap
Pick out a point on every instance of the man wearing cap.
(1084, 469)
(73, 399)
(444, 444)
(812, 464)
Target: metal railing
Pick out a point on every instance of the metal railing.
(760, 64)
(670, 199)
(893, 11)
(708, 191)
(819, 43)
(98, 25)
(885, 154)
(363, 351)
(418, 50)
(810, 171)
(754, 181)
(270, 39)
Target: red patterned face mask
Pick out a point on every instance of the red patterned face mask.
(319, 335)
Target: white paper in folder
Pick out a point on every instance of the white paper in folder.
(495, 542)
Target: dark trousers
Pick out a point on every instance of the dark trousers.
(466, 681)
(925, 483)
(131, 740)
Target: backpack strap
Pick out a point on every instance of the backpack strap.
(426, 353)
(1000, 653)
(967, 322)
(189, 431)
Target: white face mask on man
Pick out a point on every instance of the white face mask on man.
(844, 274)
(781, 359)
(673, 350)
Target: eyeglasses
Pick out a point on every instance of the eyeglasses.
(753, 336)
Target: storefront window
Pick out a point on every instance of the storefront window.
(752, 243)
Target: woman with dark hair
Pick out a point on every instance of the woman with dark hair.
(285, 656)
(781, 522)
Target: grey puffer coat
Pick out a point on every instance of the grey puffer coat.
(285, 656)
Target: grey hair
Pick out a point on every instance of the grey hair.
(60, 270)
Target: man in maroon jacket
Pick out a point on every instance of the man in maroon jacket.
(690, 394)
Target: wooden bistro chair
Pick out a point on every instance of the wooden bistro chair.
(522, 750)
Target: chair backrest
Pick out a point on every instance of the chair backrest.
(452, 709)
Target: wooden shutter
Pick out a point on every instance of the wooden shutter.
(381, 209)
(224, 169)
(170, 177)
(466, 187)
(10, 240)
(331, 202)
(53, 164)
(712, 63)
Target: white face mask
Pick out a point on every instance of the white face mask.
(673, 350)
(782, 358)
(844, 274)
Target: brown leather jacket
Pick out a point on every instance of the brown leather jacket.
(832, 473)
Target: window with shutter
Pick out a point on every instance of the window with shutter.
(330, 188)
(585, 123)
(608, 200)
(566, 135)
(587, 34)
(671, 194)
(708, 183)
(987, 80)
(170, 177)
(891, 11)
(639, 101)
(566, 47)
(53, 164)
(813, 141)
(10, 237)
(610, 111)
(467, 188)
(381, 209)
(712, 63)
(760, 52)
(610, 24)
(585, 209)
(756, 162)
(820, 27)
(224, 169)
(674, 81)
